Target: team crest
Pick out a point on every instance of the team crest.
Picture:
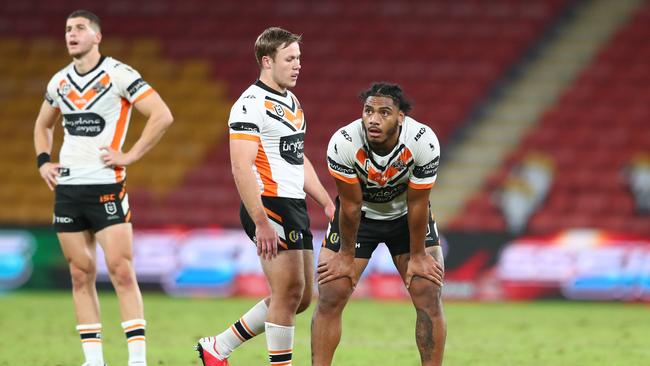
(98, 87)
(110, 208)
(399, 165)
(279, 110)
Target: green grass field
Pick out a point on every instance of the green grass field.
(38, 328)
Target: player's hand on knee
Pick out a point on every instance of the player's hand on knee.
(266, 239)
(426, 267)
(49, 172)
(337, 266)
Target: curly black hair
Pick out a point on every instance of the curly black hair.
(393, 91)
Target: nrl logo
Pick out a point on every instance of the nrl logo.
(110, 208)
(278, 110)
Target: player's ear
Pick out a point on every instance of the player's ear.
(400, 118)
(98, 37)
(266, 62)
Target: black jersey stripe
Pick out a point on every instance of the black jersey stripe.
(361, 170)
(80, 89)
(99, 96)
(390, 160)
(65, 101)
(292, 127)
(401, 174)
(292, 107)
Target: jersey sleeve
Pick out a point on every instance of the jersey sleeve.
(426, 157)
(130, 84)
(50, 93)
(340, 157)
(245, 122)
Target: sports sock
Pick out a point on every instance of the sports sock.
(247, 327)
(134, 331)
(91, 343)
(279, 340)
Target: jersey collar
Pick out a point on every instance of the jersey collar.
(101, 59)
(260, 84)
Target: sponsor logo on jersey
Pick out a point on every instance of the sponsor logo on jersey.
(346, 135)
(64, 172)
(292, 148)
(294, 236)
(135, 86)
(244, 126)
(63, 220)
(84, 124)
(334, 238)
(420, 133)
(383, 194)
(428, 170)
(339, 168)
(48, 98)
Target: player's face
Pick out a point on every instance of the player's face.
(381, 121)
(286, 66)
(80, 36)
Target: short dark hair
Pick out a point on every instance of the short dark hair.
(389, 90)
(94, 19)
(268, 42)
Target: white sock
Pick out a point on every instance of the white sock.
(247, 327)
(279, 341)
(134, 331)
(91, 343)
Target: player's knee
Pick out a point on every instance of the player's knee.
(426, 296)
(121, 271)
(332, 298)
(82, 275)
(305, 301)
(290, 294)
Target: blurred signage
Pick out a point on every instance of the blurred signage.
(16, 250)
(224, 262)
(577, 264)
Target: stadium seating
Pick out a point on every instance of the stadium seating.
(447, 55)
(197, 98)
(593, 132)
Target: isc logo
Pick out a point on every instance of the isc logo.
(107, 197)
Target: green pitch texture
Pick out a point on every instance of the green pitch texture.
(38, 328)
